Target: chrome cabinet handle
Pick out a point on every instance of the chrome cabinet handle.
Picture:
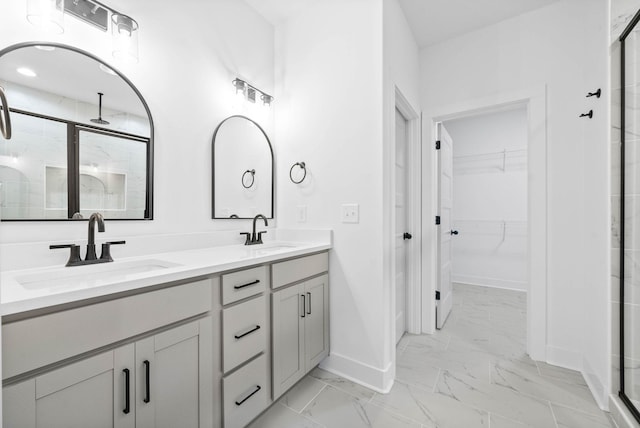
(309, 303)
(304, 306)
(5, 124)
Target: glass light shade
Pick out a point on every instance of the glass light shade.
(47, 15)
(124, 33)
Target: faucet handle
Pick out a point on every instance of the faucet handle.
(106, 250)
(259, 240)
(74, 254)
(248, 235)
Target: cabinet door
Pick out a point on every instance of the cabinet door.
(287, 309)
(316, 329)
(171, 377)
(89, 393)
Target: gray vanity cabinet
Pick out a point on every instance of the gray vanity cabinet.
(89, 393)
(300, 314)
(138, 361)
(159, 381)
(172, 380)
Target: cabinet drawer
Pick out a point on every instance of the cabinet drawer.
(244, 329)
(36, 342)
(243, 284)
(245, 393)
(297, 269)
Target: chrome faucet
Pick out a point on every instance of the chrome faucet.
(254, 238)
(91, 243)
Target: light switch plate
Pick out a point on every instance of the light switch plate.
(350, 213)
(301, 213)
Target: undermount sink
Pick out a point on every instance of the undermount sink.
(91, 274)
(259, 250)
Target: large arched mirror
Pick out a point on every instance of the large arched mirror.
(242, 170)
(82, 137)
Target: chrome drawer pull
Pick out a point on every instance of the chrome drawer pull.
(239, 403)
(256, 328)
(238, 287)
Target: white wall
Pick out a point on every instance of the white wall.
(490, 199)
(329, 114)
(189, 54)
(562, 46)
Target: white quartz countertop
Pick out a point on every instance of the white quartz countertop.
(31, 289)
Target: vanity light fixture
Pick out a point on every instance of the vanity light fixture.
(250, 93)
(48, 14)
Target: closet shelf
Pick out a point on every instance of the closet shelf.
(491, 161)
(502, 228)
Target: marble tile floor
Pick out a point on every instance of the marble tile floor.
(472, 373)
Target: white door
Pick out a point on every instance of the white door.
(445, 203)
(401, 224)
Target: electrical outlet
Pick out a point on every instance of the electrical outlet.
(301, 213)
(350, 213)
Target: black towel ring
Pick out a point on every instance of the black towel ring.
(253, 177)
(303, 167)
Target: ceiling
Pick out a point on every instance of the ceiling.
(432, 21)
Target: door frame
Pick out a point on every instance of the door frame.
(413, 310)
(534, 99)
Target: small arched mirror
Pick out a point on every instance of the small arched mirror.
(242, 170)
(82, 137)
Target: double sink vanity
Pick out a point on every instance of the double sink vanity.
(201, 338)
(206, 337)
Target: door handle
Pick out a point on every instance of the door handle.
(407, 235)
(304, 306)
(454, 232)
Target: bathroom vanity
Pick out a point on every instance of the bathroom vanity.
(201, 338)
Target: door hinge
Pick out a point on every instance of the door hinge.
(438, 145)
(437, 295)
(437, 220)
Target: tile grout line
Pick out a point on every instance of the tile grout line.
(553, 413)
(310, 401)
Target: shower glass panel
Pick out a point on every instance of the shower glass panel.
(629, 352)
(112, 174)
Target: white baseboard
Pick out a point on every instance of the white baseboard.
(490, 282)
(379, 380)
(620, 413)
(598, 390)
(564, 358)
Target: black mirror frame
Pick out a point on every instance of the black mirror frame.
(149, 175)
(213, 170)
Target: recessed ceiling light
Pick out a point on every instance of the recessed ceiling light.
(45, 48)
(27, 72)
(107, 70)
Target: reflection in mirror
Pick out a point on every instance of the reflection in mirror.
(74, 150)
(242, 170)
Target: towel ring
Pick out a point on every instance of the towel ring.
(303, 167)
(253, 178)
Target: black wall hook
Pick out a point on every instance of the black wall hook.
(595, 94)
(589, 115)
